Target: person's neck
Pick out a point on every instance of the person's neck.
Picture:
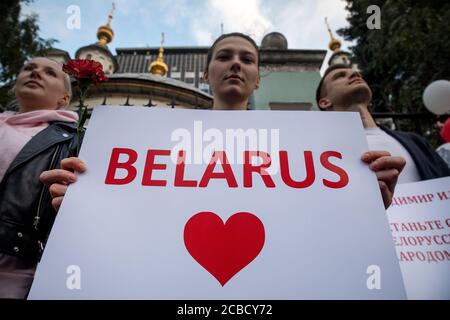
(223, 105)
(27, 108)
(23, 109)
(363, 110)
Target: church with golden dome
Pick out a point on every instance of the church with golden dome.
(172, 77)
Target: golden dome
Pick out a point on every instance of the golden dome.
(104, 35)
(334, 44)
(158, 67)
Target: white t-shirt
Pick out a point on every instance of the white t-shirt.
(380, 140)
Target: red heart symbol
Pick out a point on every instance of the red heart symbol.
(224, 249)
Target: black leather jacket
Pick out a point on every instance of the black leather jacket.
(26, 213)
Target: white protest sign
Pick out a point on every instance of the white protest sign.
(420, 223)
(293, 215)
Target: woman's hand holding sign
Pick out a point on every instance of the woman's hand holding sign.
(58, 179)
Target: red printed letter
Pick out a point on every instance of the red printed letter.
(310, 173)
(226, 174)
(128, 166)
(343, 181)
(150, 165)
(179, 172)
(249, 168)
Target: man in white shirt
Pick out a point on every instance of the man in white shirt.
(343, 89)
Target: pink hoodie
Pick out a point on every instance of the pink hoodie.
(16, 129)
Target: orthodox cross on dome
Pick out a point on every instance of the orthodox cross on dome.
(159, 67)
(110, 16)
(335, 44)
(338, 57)
(105, 34)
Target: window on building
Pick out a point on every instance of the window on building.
(176, 75)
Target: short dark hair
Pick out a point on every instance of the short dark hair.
(319, 91)
(228, 35)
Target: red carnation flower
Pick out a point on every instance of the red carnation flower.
(85, 70)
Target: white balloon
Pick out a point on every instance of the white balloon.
(436, 97)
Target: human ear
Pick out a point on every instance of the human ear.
(258, 82)
(325, 103)
(205, 76)
(64, 101)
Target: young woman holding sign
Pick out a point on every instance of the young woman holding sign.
(233, 74)
(32, 140)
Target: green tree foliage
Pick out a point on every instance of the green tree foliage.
(19, 41)
(408, 52)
